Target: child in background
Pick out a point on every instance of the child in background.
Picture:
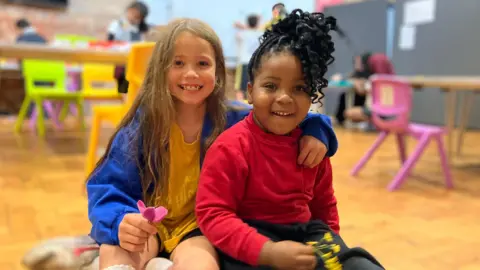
(254, 203)
(359, 61)
(156, 153)
(130, 28)
(377, 63)
(27, 33)
(278, 13)
(248, 41)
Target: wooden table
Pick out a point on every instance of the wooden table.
(73, 55)
(452, 85)
(78, 55)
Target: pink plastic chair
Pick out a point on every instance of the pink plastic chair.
(391, 107)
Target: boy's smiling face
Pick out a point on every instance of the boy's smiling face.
(278, 94)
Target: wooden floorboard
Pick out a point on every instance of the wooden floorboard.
(420, 226)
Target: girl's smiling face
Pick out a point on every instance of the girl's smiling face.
(278, 94)
(191, 76)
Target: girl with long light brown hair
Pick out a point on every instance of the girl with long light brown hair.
(156, 153)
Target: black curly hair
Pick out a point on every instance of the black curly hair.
(305, 35)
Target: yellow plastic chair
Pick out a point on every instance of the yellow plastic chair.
(98, 82)
(137, 63)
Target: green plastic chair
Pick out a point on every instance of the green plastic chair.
(47, 71)
(73, 40)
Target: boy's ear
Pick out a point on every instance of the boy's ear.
(249, 92)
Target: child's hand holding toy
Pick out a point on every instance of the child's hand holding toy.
(135, 229)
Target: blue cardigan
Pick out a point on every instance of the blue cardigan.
(114, 187)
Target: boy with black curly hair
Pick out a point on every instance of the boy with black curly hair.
(254, 203)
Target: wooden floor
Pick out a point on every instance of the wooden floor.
(420, 226)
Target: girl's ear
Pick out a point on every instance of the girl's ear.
(249, 93)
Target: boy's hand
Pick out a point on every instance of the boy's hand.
(312, 151)
(286, 255)
(133, 232)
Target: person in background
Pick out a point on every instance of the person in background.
(130, 28)
(27, 33)
(278, 12)
(359, 62)
(377, 63)
(248, 41)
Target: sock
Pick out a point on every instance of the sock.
(158, 264)
(120, 267)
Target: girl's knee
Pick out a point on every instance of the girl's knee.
(195, 253)
(109, 251)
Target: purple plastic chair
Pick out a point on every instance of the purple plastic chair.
(391, 107)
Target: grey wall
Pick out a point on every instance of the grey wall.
(365, 25)
(448, 46)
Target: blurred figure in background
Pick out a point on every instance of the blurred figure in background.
(248, 41)
(27, 33)
(359, 62)
(130, 28)
(278, 12)
(377, 63)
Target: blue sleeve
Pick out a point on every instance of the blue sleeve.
(237, 111)
(320, 127)
(113, 190)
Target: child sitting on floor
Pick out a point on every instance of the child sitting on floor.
(254, 203)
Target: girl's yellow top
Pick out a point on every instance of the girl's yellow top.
(182, 189)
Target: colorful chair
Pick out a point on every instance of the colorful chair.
(73, 80)
(54, 72)
(391, 108)
(98, 82)
(137, 63)
(72, 40)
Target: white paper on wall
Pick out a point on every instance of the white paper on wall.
(406, 39)
(419, 12)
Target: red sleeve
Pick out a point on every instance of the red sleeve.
(324, 204)
(220, 190)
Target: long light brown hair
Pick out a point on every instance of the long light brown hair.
(158, 112)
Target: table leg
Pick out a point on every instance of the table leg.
(450, 115)
(349, 103)
(467, 104)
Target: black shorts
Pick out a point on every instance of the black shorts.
(314, 231)
(194, 233)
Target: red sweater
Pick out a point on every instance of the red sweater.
(250, 174)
